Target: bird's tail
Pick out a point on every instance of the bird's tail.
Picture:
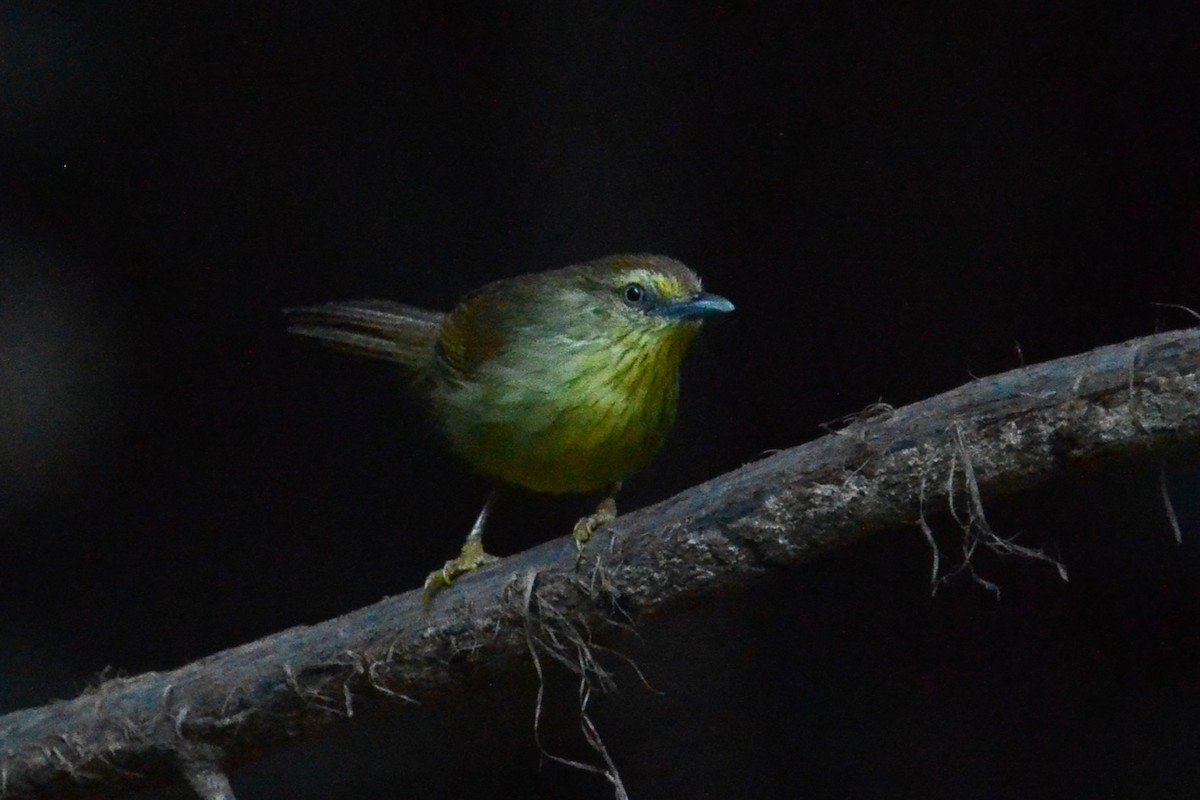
(372, 328)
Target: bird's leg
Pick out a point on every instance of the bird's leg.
(605, 513)
(471, 557)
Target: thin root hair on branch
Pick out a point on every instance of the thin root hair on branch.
(562, 639)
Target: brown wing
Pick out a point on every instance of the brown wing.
(473, 332)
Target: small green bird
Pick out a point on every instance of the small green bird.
(562, 381)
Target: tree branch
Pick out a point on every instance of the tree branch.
(884, 469)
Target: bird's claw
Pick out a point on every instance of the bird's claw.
(470, 559)
(584, 528)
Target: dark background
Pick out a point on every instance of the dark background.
(896, 202)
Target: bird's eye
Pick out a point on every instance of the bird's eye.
(634, 294)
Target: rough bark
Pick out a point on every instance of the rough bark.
(882, 470)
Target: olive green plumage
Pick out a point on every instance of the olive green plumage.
(559, 381)
(555, 381)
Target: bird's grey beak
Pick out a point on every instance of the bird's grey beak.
(697, 306)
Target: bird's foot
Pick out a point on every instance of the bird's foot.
(605, 513)
(470, 559)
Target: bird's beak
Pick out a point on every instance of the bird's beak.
(698, 306)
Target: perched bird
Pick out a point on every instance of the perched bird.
(562, 381)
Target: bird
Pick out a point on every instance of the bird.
(563, 381)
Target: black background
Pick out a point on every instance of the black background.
(896, 201)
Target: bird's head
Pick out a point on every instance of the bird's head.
(615, 316)
(648, 297)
